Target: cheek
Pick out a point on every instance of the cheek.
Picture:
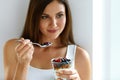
(42, 25)
(62, 23)
(41, 28)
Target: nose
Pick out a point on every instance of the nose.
(53, 22)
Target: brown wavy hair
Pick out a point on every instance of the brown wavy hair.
(31, 28)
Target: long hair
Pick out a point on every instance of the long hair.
(31, 28)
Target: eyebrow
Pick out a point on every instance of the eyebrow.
(56, 13)
(60, 12)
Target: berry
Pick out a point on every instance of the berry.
(58, 60)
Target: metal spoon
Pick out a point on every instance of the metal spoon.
(46, 44)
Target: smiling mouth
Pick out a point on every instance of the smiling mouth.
(52, 31)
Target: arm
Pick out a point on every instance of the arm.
(21, 73)
(13, 69)
(83, 64)
(10, 61)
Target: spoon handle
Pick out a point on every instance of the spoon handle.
(46, 44)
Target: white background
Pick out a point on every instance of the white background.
(106, 40)
(13, 13)
(115, 40)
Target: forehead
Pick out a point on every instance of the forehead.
(54, 7)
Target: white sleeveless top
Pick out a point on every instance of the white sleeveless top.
(48, 74)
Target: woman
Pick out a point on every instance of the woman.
(47, 21)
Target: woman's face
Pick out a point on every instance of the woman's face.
(53, 20)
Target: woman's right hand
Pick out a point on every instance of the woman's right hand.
(24, 51)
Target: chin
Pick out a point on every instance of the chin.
(54, 37)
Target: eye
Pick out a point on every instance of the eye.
(60, 15)
(44, 17)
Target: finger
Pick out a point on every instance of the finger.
(73, 77)
(27, 55)
(68, 76)
(25, 49)
(30, 50)
(19, 43)
(22, 39)
(22, 45)
(67, 71)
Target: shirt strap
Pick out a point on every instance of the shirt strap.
(71, 50)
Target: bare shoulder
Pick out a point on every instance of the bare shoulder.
(82, 53)
(11, 40)
(83, 63)
(9, 50)
(10, 44)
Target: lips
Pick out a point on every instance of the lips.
(52, 31)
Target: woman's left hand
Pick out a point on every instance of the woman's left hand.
(69, 74)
